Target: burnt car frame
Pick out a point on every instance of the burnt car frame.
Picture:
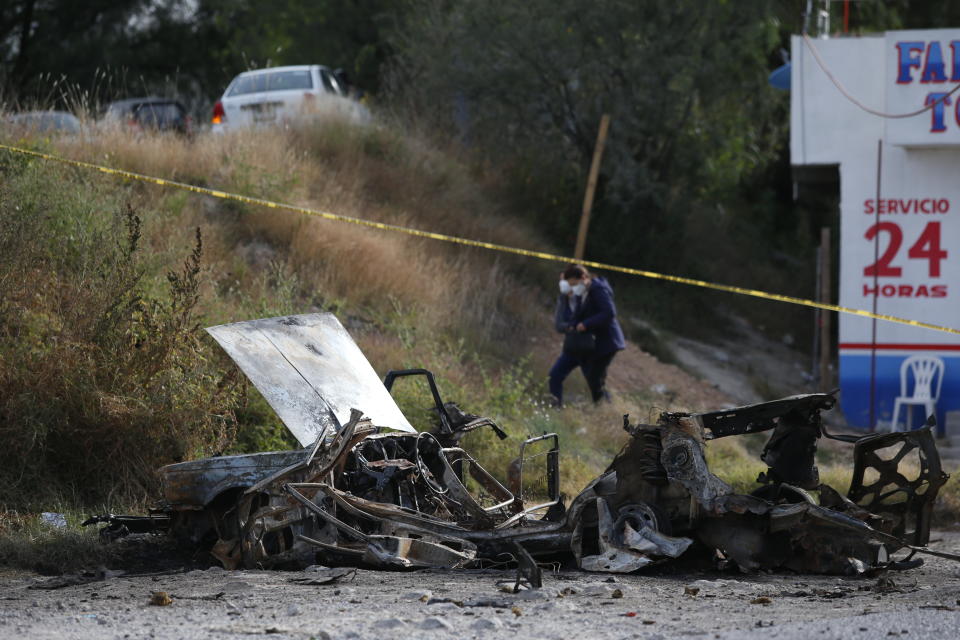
(368, 489)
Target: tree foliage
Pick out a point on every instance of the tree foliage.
(695, 179)
(51, 50)
(684, 82)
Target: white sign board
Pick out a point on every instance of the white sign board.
(902, 248)
(922, 67)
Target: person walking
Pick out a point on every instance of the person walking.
(587, 316)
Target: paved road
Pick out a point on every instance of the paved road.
(920, 604)
(916, 624)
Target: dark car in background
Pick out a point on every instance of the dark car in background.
(46, 122)
(150, 114)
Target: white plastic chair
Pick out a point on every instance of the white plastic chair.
(927, 380)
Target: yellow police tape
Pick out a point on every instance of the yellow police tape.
(476, 243)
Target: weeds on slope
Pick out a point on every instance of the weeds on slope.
(100, 382)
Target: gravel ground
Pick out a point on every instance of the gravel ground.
(922, 603)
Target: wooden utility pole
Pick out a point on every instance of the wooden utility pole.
(826, 380)
(591, 186)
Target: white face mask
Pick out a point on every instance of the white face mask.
(564, 287)
(579, 289)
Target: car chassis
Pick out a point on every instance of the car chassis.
(370, 490)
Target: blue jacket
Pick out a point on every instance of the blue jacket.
(598, 313)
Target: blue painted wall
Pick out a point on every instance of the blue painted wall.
(855, 389)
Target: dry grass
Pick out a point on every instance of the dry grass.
(27, 543)
(947, 508)
(103, 380)
(367, 172)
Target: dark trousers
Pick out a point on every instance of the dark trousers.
(594, 371)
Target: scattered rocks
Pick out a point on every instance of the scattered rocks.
(317, 575)
(535, 595)
(237, 586)
(597, 590)
(487, 624)
(724, 587)
(434, 623)
(315, 567)
(390, 623)
(712, 584)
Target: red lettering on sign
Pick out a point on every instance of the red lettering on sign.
(928, 246)
(881, 268)
(906, 291)
(900, 206)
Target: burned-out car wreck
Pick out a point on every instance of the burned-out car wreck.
(368, 489)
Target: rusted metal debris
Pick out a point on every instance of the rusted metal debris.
(368, 489)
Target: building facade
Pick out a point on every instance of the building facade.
(899, 200)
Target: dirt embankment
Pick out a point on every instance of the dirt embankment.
(746, 365)
(635, 369)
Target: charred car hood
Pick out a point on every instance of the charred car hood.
(311, 372)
